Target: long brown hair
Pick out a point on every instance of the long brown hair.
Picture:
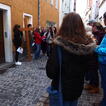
(73, 29)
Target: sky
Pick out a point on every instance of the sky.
(80, 7)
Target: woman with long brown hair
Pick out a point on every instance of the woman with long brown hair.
(76, 50)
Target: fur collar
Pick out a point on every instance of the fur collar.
(75, 48)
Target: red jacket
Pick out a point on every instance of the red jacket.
(38, 38)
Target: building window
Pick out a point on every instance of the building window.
(57, 4)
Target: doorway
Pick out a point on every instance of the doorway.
(2, 54)
(6, 52)
(27, 19)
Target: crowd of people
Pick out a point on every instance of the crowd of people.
(43, 40)
(83, 50)
(40, 40)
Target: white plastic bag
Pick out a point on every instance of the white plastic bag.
(20, 50)
(33, 44)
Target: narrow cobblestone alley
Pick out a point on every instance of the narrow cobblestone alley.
(26, 85)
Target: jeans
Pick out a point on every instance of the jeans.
(71, 103)
(37, 51)
(102, 69)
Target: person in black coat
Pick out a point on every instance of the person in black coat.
(93, 76)
(77, 49)
(17, 42)
(102, 66)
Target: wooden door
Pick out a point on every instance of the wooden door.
(1, 38)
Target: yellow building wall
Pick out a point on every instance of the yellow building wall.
(18, 7)
(48, 12)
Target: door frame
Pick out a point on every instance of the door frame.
(7, 32)
(31, 18)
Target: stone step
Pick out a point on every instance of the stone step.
(5, 66)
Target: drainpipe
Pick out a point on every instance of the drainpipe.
(38, 12)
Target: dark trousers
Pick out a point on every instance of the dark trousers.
(37, 51)
(49, 49)
(93, 78)
(44, 47)
(92, 75)
(102, 69)
(16, 54)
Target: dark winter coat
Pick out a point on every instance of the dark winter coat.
(17, 38)
(75, 62)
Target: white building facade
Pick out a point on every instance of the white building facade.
(96, 11)
(66, 6)
(102, 10)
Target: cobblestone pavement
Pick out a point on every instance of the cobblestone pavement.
(23, 85)
(26, 85)
(85, 99)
